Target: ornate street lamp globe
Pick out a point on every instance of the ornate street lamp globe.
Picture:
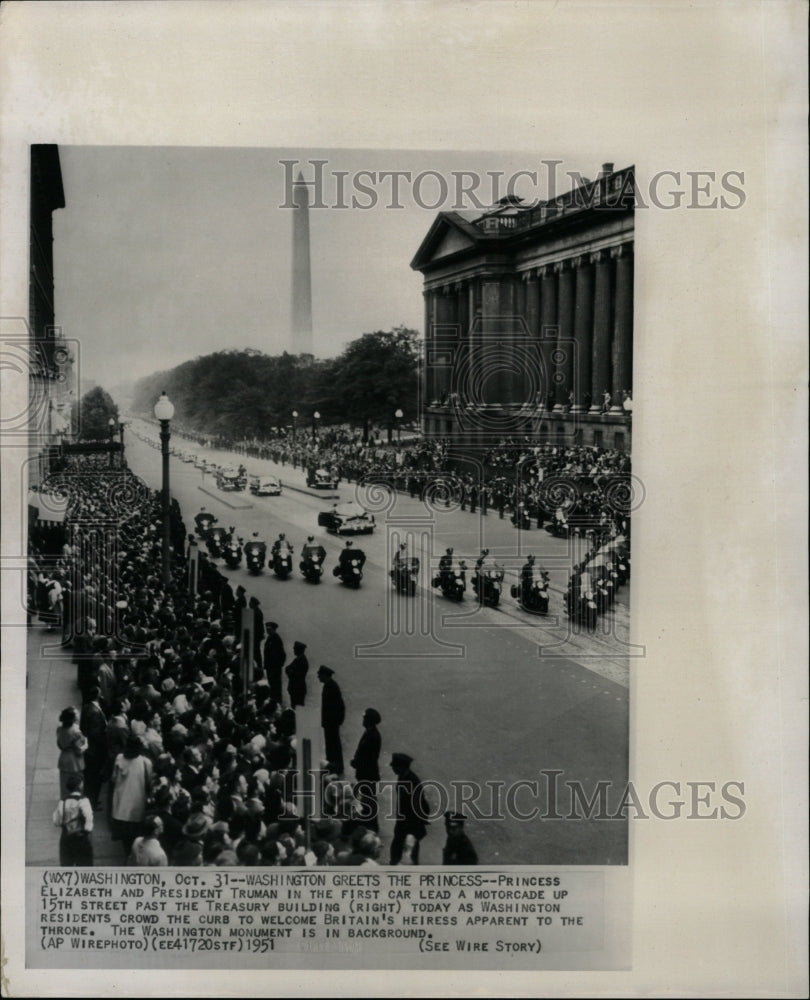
(164, 409)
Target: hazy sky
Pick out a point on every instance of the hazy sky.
(163, 254)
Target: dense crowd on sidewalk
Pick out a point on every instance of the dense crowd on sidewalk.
(192, 768)
(533, 484)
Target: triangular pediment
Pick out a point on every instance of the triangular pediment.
(449, 235)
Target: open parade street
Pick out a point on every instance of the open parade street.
(489, 702)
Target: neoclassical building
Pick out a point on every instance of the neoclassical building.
(529, 318)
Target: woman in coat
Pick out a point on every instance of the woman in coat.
(132, 783)
(72, 744)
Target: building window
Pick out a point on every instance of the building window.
(598, 438)
(578, 436)
(618, 441)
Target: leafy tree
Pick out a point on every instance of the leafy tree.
(94, 411)
(378, 374)
(244, 393)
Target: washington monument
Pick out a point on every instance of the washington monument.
(301, 281)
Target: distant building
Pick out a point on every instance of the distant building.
(529, 318)
(51, 361)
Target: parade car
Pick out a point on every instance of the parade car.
(265, 486)
(320, 479)
(347, 519)
(229, 480)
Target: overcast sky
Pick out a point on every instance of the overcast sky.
(163, 254)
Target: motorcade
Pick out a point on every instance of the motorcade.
(347, 519)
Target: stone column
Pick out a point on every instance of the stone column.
(517, 335)
(564, 366)
(548, 330)
(534, 378)
(428, 381)
(583, 332)
(623, 326)
(489, 376)
(602, 316)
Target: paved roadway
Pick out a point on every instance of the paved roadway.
(460, 688)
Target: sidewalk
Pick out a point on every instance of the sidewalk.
(51, 687)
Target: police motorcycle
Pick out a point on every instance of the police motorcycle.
(350, 567)
(233, 552)
(216, 540)
(451, 580)
(405, 571)
(204, 522)
(520, 517)
(312, 557)
(255, 554)
(558, 527)
(580, 601)
(487, 581)
(281, 557)
(532, 591)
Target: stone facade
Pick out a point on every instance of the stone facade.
(529, 318)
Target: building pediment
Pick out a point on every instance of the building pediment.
(449, 235)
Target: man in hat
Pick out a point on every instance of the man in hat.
(458, 850)
(333, 714)
(258, 629)
(412, 808)
(93, 723)
(296, 672)
(445, 566)
(274, 658)
(366, 764)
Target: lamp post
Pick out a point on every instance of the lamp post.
(399, 415)
(164, 411)
(295, 417)
(111, 425)
(315, 418)
(121, 436)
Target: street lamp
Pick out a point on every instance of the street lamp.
(164, 411)
(111, 425)
(295, 417)
(399, 415)
(315, 418)
(121, 435)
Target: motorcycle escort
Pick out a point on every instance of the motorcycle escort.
(452, 581)
(558, 528)
(312, 557)
(487, 582)
(282, 558)
(204, 522)
(532, 592)
(233, 552)
(581, 605)
(215, 541)
(404, 574)
(350, 568)
(255, 554)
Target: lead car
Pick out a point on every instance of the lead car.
(347, 519)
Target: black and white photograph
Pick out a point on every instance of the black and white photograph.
(327, 456)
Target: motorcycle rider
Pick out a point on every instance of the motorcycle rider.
(348, 554)
(446, 567)
(310, 551)
(204, 521)
(255, 546)
(282, 545)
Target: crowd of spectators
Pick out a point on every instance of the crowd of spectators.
(191, 767)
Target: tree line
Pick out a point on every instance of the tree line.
(244, 394)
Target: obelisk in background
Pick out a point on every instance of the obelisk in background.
(301, 281)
